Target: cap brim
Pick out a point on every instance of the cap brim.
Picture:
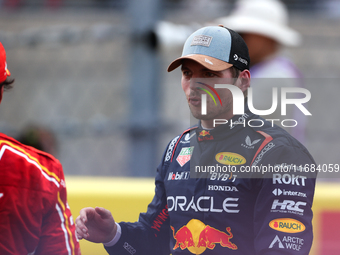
(210, 63)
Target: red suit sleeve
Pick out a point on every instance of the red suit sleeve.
(34, 213)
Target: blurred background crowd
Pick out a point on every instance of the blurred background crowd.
(92, 88)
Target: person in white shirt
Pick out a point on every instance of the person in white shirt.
(263, 24)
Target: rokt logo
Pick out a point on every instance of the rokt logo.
(197, 237)
(291, 179)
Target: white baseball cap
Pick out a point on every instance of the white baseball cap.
(265, 17)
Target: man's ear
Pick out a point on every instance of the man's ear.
(243, 81)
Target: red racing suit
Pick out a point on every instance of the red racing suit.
(237, 189)
(35, 217)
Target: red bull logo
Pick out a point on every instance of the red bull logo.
(183, 238)
(205, 136)
(197, 237)
(204, 133)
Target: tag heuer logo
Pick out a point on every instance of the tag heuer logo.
(184, 155)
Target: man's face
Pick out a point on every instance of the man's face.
(193, 85)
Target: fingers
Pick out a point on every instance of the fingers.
(86, 214)
(104, 214)
(82, 219)
(81, 229)
(95, 224)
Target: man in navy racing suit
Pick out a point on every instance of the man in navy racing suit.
(240, 187)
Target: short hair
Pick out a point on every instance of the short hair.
(7, 84)
(235, 72)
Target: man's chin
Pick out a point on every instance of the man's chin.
(199, 116)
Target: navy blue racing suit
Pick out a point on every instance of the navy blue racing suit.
(236, 189)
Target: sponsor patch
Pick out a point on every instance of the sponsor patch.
(242, 60)
(197, 237)
(287, 242)
(170, 149)
(287, 225)
(289, 179)
(184, 155)
(230, 158)
(187, 137)
(268, 147)
(178, 176)
(129, 248)
(205, 135)
(202, 204)
(288, 206)
(249, 143)
(222, 188)
(278, 192)
(201, 40)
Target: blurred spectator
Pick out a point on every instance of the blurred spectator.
(40, 138)
(263, 24)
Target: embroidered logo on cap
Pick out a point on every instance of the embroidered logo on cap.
(242, 60)
(202, 40)
(208, 61)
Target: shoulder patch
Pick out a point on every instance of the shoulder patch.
(170, 149)
(173, 145)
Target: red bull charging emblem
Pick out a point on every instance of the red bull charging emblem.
(197, 237)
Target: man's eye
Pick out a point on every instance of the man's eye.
(186, 73)
(208, 74)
